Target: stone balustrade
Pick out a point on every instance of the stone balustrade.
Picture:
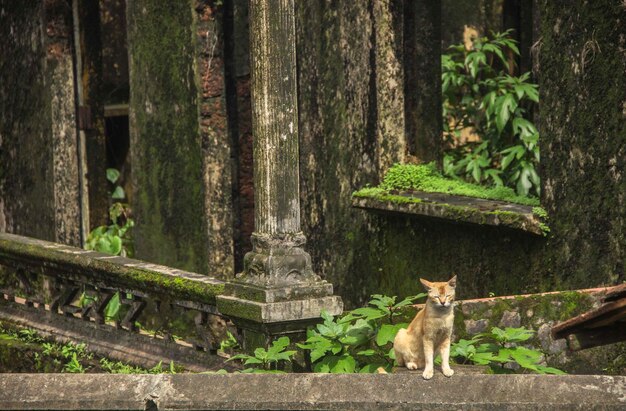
(63, 291)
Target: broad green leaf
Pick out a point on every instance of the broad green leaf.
(283, 356)
(322, 366)
(261, 371)
(252, 360)
(279, 344)
(118, 193)
(336, 364)
(549, 370)
(345, 364)
(366, 353)
(112, 175)
(386, 334)
(357, 334)
(369, 313)
(260, 353)
(373, 368)
(483, 358)
(113, 308)
(506, 106)
(109, 244)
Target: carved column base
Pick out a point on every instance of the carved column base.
(277, 293)
(278, 283)
(277, 261)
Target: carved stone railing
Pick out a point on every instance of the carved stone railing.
(64, 291)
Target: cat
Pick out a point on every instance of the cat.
(431, 329)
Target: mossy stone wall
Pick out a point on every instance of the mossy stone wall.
(582, 76)
(345, 53)
(38, 145)
(173, 188)
(582, 84)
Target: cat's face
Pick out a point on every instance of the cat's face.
(440, 294)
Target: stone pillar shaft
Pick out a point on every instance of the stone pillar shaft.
(274, 117)
(277, 292)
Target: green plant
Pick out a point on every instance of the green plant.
(500, 351)
(73, 365)
(229, 344)
(542, 214)
(360, 341)
(425, 177)
(267, 361)
(489, 137)
(114, 238)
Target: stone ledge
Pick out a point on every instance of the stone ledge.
(296, 310)
(454, 208)
(406, 391)
(106, 270)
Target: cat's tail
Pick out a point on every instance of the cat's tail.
(381, 370)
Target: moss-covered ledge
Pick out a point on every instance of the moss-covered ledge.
(420, 189)
(459, 209)
(104, 270)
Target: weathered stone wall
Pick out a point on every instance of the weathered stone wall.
(583, 92)
(239, 106)
(582, 84)
(181, 160)
(353, 125)
(539, 312)
(366, 99)
(39, 188)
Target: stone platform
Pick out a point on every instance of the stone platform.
(405, 391)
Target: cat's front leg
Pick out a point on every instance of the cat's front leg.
(428, 359)
(445, 358)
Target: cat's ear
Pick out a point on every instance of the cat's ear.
(452, 282)
(426, 284)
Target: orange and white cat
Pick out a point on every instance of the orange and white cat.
(430, 331)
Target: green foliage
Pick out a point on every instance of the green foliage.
(498, 349)
(481, 98)
(73, 365)
(118, 367)
(114, 238)
(360, 341)
(229, 344)
(425, 177)
(267, 361)
(70, 355)
(543, 216)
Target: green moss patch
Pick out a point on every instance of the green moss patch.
(425, 177)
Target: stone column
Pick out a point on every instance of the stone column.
(277, 284)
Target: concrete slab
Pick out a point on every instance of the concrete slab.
(310, 392)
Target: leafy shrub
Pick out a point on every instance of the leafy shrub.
(498, 349)
(267, 361)
(360, 341)
(483, 100)
(114, 238)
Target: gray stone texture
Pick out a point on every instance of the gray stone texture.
(180, 153)
(39, 187)
(311, 392)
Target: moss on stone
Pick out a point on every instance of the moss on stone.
(583, 89)
(240, 309)
(111, 273)
(166, 150)
(425, 177)
(383, 195)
